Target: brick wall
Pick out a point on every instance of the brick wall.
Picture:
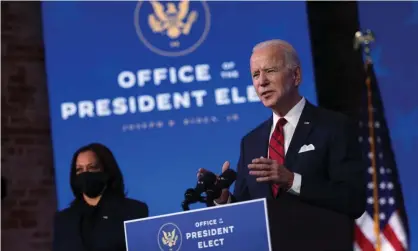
(26, 151)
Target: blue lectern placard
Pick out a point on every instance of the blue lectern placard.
(238, 226)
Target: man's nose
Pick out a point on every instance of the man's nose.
(263, 79)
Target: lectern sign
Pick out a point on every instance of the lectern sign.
(238, 226)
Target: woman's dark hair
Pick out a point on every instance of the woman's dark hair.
(107, 161)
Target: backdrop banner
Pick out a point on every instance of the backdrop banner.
(165, 85)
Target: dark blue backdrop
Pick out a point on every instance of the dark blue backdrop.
(395, 25)
(88, 46)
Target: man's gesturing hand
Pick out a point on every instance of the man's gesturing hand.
(268, 170)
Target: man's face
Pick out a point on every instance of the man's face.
(272, 80)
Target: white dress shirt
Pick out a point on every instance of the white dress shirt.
(292, 118)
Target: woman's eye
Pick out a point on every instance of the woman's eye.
(94, 168)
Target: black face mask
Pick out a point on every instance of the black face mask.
(91, 184)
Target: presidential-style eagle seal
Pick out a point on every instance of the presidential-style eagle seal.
(169, 237)
(172, 28)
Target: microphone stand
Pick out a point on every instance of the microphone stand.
(210, 200)
(186, 203)
(211, 194)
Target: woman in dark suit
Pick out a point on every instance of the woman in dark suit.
(94, 220)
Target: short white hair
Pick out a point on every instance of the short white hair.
(291, 57)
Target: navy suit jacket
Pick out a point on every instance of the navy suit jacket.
(333, 175)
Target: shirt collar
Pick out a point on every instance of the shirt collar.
(293, 115)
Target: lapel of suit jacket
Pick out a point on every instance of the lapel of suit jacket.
(303, 128)
(261, 149)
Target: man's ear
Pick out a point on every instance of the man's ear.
(297, 75)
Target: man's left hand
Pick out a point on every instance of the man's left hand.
(268, 170)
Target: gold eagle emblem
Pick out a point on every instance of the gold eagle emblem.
(172, 21)
(170, 238)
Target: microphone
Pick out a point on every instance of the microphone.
(191, 196)
(204, 184)
(211, 185)
(224, 181)
(227, 178)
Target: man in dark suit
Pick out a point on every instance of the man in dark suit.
(302, 150)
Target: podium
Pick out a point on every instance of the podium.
(284, 224)
(295, 225)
